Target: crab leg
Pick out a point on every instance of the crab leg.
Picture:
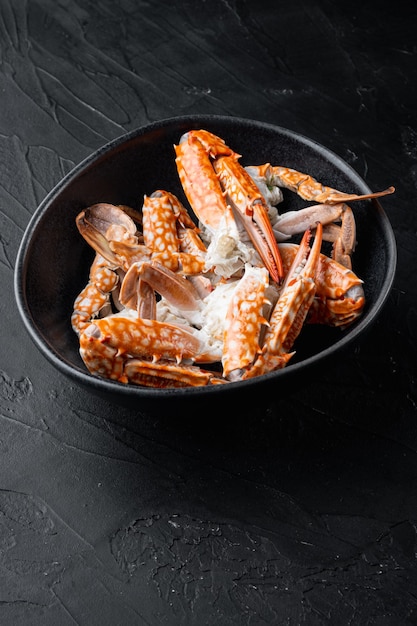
(165, 227)
(107, 343)
(94, 299)
(165, 374)
(141, 337)
(293, 222)
(290, 311)
(174, 287)
(244, 320)
(332, 207)
(307, 187)
(209, 190)
(343, 237)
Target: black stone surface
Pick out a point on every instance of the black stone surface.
(301, 513)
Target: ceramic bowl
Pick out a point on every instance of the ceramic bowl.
(53, 260)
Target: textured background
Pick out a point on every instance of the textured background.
(301, 514)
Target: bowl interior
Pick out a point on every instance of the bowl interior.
(53, 260)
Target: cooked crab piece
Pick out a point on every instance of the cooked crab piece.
(339, 227)
(244, 321)
(107, 344)
(332, 211)
(171, 235)
(213, 181)
(339, 298)
(175, 287)
(284, 324)
(307, 187)
(94, 299)
(166, 374)
(111, 233)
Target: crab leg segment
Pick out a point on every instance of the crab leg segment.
(174, 287)
(165, 374)
(294, 222)
(251, 210)
(140, 337)
(165, 227)
(108, 343)
(290, 310)
(94, 299)
(194, 155)
(343, 237)
(308, 187)
(212, 178)
(244, 320)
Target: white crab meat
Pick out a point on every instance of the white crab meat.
(230, 249)
(208, 322)
(268, 188)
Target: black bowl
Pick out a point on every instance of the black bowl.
(53, 260)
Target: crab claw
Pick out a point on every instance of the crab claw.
(251, 211)
(213, 180)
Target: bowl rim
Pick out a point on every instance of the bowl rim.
(102, 385)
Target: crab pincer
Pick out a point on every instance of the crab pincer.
(214, 181)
